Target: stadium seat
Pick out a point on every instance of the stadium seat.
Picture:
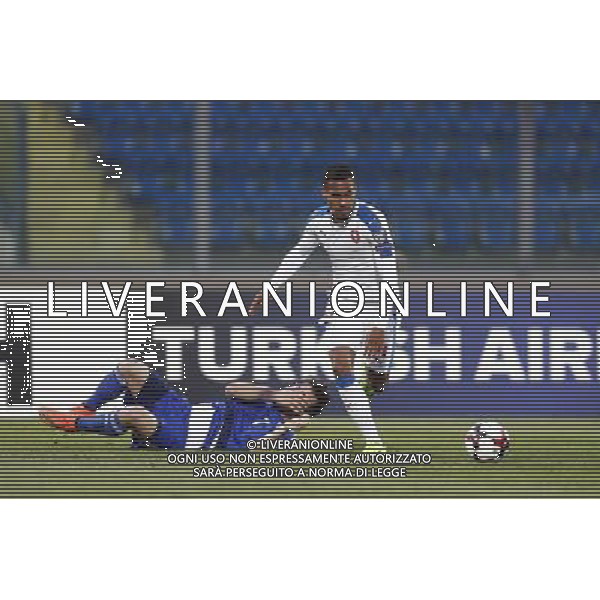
(583, 227)
(497, 228)
(412, 231)
(549, 235)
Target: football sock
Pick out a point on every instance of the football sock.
(103, 423)
(110, 387)
(358, 407)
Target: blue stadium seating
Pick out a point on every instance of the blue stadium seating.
(395, 148)
(498, 221)
(443, 172)
(568, 184)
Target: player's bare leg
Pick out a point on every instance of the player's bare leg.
(140, 421)
(354, 397)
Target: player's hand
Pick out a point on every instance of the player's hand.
(375, 346)
(256, 304)
(294, 399)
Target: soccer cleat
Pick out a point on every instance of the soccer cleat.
(65, 420)
(377, 380)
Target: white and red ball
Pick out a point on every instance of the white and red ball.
(487, 441)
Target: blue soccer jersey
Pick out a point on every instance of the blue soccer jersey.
(235, 423)
(231, 426)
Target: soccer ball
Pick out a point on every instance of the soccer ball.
(487, 441)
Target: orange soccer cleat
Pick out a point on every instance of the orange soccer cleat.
(65, 420)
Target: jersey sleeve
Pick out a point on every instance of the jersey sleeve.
(297, 256)
(110, 388)
(386, 263)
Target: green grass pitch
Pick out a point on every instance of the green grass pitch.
(548, 458)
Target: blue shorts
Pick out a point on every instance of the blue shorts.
(172, 411)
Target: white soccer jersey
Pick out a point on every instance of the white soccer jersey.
(360, 249)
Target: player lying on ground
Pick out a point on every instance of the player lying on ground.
(357, 239)
(160, 416)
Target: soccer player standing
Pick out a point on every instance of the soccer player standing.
(357, 238)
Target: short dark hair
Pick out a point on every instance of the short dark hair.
(320, 392)
(338, 173)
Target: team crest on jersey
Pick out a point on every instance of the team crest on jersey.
(355, 236)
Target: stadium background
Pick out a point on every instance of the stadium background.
(206, 181)
(216, 191)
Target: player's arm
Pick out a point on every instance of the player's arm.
(294, 424)
(110, 388)
(298, 405)
(292, 261)
(130, 374)
(246, 390)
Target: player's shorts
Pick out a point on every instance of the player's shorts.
(172, 411)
